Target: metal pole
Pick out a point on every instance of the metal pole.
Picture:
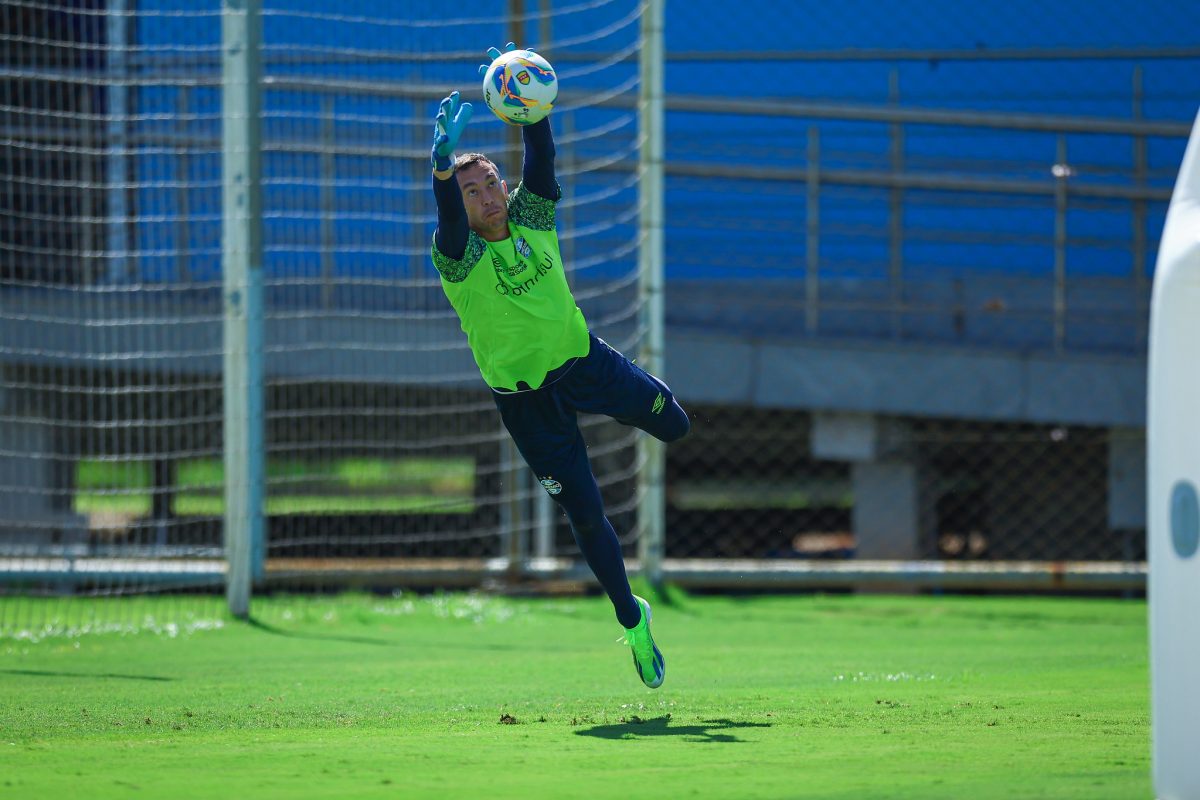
(327, 201)
(812, 251)
(1141, 291)
(896, 214)
(652, 506)
(565, 213)
(543, 506)
(241, 246)
(516, 145)
(183, 267)
(512, 514)
(545, 23)
(90, 230)
(1062, 173)
(513, 524)
(543, 523)
(117, 118)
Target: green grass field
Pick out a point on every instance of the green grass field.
(463, 696)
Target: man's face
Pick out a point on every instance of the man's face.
(486, 199)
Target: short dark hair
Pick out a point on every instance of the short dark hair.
(469, 159)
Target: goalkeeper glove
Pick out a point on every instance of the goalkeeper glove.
(493, 54)
(452, 118)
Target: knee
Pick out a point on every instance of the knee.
(677, 425)
(673, 424)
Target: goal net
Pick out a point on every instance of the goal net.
(385, 461)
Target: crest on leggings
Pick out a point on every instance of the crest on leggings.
(551, 486)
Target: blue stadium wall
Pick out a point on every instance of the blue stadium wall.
(1094, 87)
(1081, 85)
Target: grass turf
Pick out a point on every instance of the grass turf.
(485, 697)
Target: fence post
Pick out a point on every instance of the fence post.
(241, 255)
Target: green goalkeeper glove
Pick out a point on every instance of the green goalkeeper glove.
(452, 118)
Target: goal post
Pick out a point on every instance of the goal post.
(225, 354)
(651, 254)
(241, 261)
(1173, 466)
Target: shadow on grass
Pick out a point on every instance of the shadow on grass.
(42, 673)
(336, 637)
(324, 637)
(707, 731)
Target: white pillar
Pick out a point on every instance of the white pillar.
(1173, 467)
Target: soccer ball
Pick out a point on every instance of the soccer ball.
(520, 87)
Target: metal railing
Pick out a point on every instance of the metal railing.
(1060, 187)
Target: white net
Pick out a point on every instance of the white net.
(382, 444)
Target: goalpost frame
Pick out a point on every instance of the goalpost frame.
(243, 416)
(651, 453)
(241, 256)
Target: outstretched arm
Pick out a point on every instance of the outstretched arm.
(450, 238)
(537, 171)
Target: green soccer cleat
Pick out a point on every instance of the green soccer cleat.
(647, 659)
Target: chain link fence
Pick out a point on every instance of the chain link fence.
(937, 257)
(751, 483)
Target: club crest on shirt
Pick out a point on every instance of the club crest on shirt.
(523, 247)
(551, 486)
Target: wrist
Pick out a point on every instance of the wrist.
(442, 163)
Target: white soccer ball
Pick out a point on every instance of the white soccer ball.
(520, 87)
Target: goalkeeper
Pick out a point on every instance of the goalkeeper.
(498, 256)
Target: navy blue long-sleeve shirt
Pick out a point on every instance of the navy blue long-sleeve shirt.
(537, 173)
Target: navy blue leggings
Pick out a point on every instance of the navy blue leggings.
(544, 425)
